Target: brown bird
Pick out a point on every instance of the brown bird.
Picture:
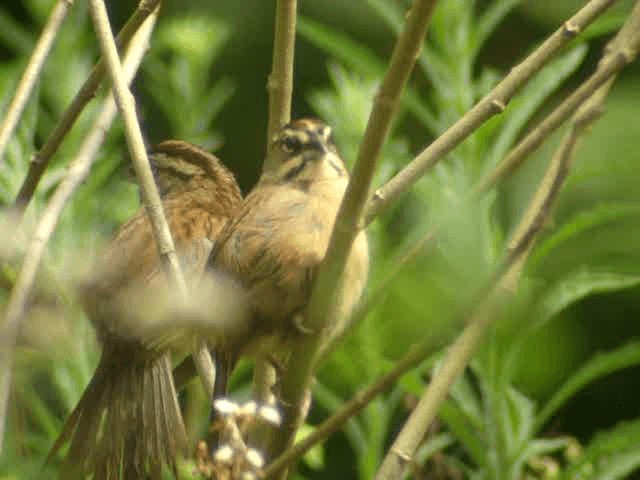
(127, 423)
(277, 239)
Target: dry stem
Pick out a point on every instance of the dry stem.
(492, 104)
(77, 170)
(149, 190)
(297, 377)
(32, 73)
(41, 159)
(626, 43)
(280, 82)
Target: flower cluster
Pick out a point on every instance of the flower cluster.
(233, 459)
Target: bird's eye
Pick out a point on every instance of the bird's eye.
(291, 144)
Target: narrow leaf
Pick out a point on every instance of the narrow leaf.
(599, 366)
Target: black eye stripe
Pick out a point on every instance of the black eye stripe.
(294, 171)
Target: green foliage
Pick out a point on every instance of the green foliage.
(493, 425)
(499, 428)
(57, 351)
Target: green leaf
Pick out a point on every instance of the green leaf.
(599, 366)
(491, 18)
(533, 95)
(611, 455)
(362, 60)
(577, 286)
(353, 429)
(434, 444)
(356, 56)
(314, 458)
(581, 224)
(536, 448)
(470, 439)
(14, 36)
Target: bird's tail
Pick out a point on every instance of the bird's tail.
(128, 422)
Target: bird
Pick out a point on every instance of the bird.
(127, 423)
(275, 242)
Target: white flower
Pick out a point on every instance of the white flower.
(224, 455)
(270, 414)
(254, 457)
(248, 409)
(225, 407)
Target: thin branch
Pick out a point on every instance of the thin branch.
(626, 43)
(280, 81)
(41, 159)
(493, 103)
(360, 400)
(32, 72)
(149, 190)
(135, 143)
(77, 171)
(608, 68)
(296, 379)
(280, 88)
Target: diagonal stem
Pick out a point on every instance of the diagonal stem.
(493, 103)
(32, 73)
(138, 153)
(41, 159)
(77, 170)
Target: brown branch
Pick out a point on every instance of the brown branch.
(32, 72)
(41, 159)
(77, 171)
(296, 380)
(149, 190)
(280, 81)
(492, 104)
(626, 43)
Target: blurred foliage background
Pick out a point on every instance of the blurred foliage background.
(556, 386)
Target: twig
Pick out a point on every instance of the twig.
(137, 151)
(627, 43)
(77, 170)
(360, 400)
(296, 379)
(493, 103)
(32, 72)
(280, 82)
(607, 69)
(41, 159)
(280, 88)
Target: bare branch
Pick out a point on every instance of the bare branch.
(360, 400)
(608, 67)
(294, 383)
(149, 190)
(626, 43)
(280, 82)
(77, 171)
(32, 72)
(41, 159)
(492, 104)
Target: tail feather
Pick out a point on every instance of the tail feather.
(128, 422)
